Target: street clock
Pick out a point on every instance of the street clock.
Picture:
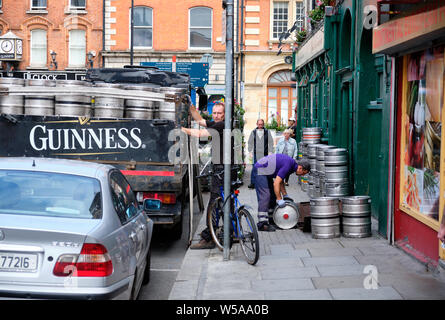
(11, 47)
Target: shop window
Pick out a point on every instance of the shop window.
(422, 103)
(77, 48)
(143, 27)
(200, 28)
(38, 48)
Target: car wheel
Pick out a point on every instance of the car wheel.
(146, 275)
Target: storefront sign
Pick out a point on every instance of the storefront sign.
(389, 36)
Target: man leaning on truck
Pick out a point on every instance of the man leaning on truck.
(217, 124)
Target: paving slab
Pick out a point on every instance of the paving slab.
(332, 271)
(355, 281)
(288, 273)
(282, 285)
(414, 286)
(280, 261)
(318, 245)
(329, 261)
(334, 252)
(316, 294)
(382, 293)
(184, 290)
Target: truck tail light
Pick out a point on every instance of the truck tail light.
(166, 198)
(93, 261)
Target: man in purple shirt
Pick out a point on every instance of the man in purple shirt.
(270, 190)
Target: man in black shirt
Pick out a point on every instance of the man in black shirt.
(215, 126)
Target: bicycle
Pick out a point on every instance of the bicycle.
(243, 227)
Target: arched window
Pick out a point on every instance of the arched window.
(200, 28)
(143, 27)
(281, 97)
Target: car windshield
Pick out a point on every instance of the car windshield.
(49, 194)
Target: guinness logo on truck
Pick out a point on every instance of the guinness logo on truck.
(85, 136)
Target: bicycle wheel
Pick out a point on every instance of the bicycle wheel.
(215, 223)
(248, 236)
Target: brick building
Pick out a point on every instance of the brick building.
(70, 28)
(187, 30)
(267, 78)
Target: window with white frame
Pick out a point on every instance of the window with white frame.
(280, 18)
(77, 48)
(38, 56)
(200, 27)
(143, 27)
(38, 4)
(299, 15)
(78, 4)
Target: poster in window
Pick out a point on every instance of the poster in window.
(422, 125)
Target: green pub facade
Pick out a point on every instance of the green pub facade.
(344, 89)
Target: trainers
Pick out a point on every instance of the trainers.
(203, 244)
(251, 186)
(266, 227)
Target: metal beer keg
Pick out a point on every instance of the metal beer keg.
(356, 214)
(287, 217)
(72, 104)
(11, 104)
(325, 218)
(39, 104)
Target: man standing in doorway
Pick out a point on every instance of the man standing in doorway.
(260, 144)
(217, 124)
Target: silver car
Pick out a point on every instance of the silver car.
(70, 229)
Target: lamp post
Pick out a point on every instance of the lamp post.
(131, 35)
(90, 56)
(53, 59)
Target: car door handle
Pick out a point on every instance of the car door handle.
(133, 236)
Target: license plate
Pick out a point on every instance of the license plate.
(10, 261)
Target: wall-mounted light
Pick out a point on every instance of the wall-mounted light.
(90, 56)
(53, 59)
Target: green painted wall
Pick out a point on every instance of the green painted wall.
(353, 102)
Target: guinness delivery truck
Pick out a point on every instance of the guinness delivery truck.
(126, 117)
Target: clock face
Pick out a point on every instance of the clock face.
(7, 45)
(19, 47)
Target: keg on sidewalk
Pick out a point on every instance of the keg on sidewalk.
(336, 173)
(337, 189)
(286, 217)
(325, 218)
(39, 104)
(11, 104)
(72, 104)
(139, 109)
(336, 157)
(356, 216)
(311, 135)
(108, 107)
(320, 152)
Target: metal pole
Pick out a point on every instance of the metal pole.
(228, 125)
(132, 35)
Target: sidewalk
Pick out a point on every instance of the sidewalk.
(294, 266)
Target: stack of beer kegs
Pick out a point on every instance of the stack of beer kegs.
(336, 172)
(320, 166)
